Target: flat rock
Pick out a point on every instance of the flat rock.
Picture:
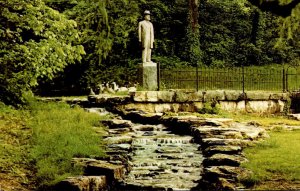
(216, 132)
(117, 123)
(119, 131)
(294, 116)
(224, 184)
(143, 127)
(223, 159)
(83, 183)
(118, 140)
(93, 167)
(222, 149)
(250, 132)
(220, 121)
(229, 172)
(126, 147)
(217, 141)
(99, 111)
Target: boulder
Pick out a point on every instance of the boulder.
(230, 106)
(151, 96)
(231, 95)
(257, 106)
(185, 96)
(214, 95)
(83, 183)
(166, 96)
(139, 96)
(93, 167)
(279, 96)
(181, 97)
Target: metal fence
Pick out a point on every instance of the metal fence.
(237, 78)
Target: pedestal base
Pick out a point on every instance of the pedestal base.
(148, 76)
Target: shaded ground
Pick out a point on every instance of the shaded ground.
(15, 171)
(278, 184)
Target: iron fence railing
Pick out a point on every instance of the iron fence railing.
(236, 78)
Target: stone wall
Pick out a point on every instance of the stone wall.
(233, 101)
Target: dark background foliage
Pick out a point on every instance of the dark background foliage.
(65, 47)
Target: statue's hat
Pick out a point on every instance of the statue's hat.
(147, 12)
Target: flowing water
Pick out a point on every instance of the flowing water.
(166, 160)
(157, 157)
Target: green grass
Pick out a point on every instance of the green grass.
(277, 158)
(14, 147)
(37, 143)
(59, 134)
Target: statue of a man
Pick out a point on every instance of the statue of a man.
(146, 37)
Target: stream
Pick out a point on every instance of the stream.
(156, 157)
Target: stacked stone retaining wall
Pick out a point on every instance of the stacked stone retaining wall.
(184, 101)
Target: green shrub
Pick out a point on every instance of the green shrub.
(59, 134)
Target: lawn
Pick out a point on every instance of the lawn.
(275, 163)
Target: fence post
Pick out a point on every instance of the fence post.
(287, 79)
(158, 76)
(243, 73)
(197, 78)
(283, 80)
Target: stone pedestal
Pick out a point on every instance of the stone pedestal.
(147, 76)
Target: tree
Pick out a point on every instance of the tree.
(106, 29)
(288, 9)
(35, 42)
(193, 33)
(233, 32)
(276, 6)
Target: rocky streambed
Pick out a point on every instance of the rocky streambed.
(156, 157)
(154, 151)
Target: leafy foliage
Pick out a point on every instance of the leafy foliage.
(36, 42)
